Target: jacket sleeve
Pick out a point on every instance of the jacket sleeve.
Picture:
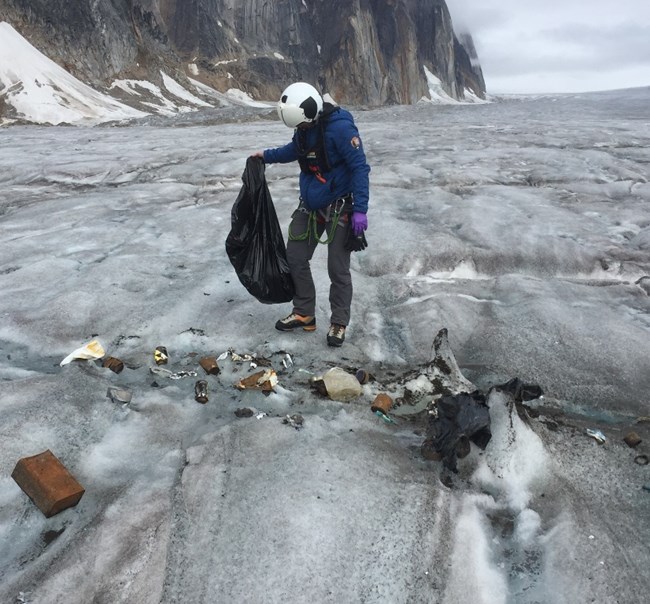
(349, 145)
(281, 155)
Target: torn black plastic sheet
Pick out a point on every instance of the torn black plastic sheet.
(461, 419)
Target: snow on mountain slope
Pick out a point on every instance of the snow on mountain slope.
(41, 91)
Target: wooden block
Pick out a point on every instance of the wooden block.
(47, 483)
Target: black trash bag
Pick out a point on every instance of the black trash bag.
(255, 244)
(462, 418)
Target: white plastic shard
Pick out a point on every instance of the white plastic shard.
(92, 350)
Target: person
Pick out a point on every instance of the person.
(333, 204)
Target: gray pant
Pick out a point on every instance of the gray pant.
(299, 254)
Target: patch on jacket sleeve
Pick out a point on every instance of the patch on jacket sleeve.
(356, 142)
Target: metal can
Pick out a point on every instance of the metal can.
(363, 376)
(160, 355)
(210, 365)
(382, 403)
(201, 391)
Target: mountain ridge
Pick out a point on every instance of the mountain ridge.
(364, 52)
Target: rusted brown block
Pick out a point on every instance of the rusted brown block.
(47, 483)
(263, 380)
(113, 364)
(209, 365)
(632, 439)
(382, 403)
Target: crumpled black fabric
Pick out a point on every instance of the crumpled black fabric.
(255, 244)
(521, 392)
(462, 418)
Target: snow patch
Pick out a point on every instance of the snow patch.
(41, 91)
(245, 98)
(177, 90)
(437, 93)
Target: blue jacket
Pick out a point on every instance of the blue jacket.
(347, 172)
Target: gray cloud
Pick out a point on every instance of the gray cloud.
(628, 42)
(516, 41)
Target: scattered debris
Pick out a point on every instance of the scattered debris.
(253, 359)
(244, 412)
(642, 459)
(386, 418)
(261, 415)
(239, 358)
(264, 380)
(92, 350)
(363, 376)
(201, 392)
(171, 375)
(646, 487)
(119, 395)
(632, 439)
(210, 365)
(382, 403)
(47, 483)
(160, 355)
(115, 365)
(296, 421)
(597, 435)
(287, 361)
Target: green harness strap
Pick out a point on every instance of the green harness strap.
(312, 229)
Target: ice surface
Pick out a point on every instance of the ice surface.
(521, 226)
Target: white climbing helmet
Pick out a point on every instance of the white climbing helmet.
(300, 103)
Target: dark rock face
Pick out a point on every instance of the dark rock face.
(468, 68)
(360, 51)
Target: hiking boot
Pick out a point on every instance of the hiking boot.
(293, 321)
(336, 335)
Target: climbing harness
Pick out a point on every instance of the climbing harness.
(331, 214)
(314, 161)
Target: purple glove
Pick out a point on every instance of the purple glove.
(359, 222)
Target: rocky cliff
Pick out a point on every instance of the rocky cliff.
(368, 52)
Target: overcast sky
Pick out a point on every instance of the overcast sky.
(558, 45)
